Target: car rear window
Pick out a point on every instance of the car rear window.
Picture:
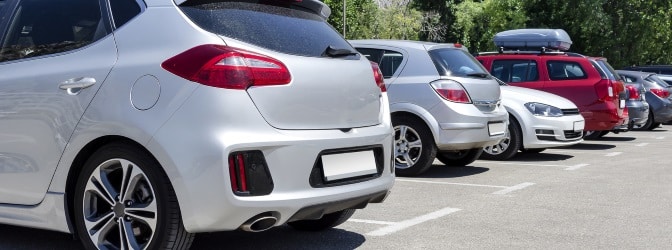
(457, 62)
(279, 28)
(608, 70)
(655, 79)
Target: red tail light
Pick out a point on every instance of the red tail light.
(227, 67)
(662, 93)
(634, 92)
(237, 173)
(378, 76)
(451, 90)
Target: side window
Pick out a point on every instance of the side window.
(39, 28)
(123, 11)
(629, 79)
(515, 70)
(562, 70)
(388, 61)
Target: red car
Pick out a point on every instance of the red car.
(589, 82)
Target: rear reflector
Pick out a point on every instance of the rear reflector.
(249, 174)
(451, 90)
(227, 67)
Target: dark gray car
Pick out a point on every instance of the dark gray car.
(657, 96)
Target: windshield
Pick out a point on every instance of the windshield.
(457, 62)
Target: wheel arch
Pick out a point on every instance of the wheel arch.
(417, 112)
(78, 163)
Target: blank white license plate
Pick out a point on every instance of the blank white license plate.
(621, 104)
(578, 126)
(496, 128)
(346, 165)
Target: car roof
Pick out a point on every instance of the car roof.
(635, 73)
(405, 44)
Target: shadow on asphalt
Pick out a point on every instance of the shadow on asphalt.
(442, 171)
(591, 146)
(15, 238)
(282, 237)
(611, 138)
(543, 156)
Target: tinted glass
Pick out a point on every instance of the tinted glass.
(611, 72)
(277, 28)
(390, 63)
(457, 62)
(47, 27)
(123, 11)
(563, 70)
(374, 55)
(515, 70)
(655, 79)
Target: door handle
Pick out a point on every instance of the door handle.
(74, 85)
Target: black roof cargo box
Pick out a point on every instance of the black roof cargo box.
(533, 39)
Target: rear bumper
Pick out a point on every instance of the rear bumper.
(463, 126)
(638, 113)
(196, 162)
(603, 117)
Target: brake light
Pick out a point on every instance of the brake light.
(457, 45)
(378, 76)
(662, 93)
(451, 90)
(634, 93)
(227, 67)
(237, 173)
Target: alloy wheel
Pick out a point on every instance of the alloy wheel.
(501, 146)
(119, 206)
(407, 147)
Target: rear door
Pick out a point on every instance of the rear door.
(518, 72)
(54, 56)
(570, 79)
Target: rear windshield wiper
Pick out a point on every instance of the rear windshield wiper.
(334, 52)
(481, 75)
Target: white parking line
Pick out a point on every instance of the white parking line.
(575, 167)
(449, 183)
(396, 227)
(612, 154)
(660, 138)
(641, 144)
(514, 188)
(373, 222)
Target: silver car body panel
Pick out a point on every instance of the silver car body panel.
(514, 99)
(190, 130)
(455, 126)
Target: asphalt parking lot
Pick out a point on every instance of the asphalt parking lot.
(613, 193)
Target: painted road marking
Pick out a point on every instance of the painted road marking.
(396, 227)
(641, 144)
(373, 222)
(613, 154)
(449, 183)
(575, 167)
(514, 188)
(660, 138)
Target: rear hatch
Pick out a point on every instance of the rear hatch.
(616, 92)
(458, 65)
(332, 86)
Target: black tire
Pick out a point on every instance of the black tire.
(648, 125)
(150, 201)
(532, 150)
(326, 222)
(593, 135)
(507, 147)
(654, 126)
(459, 158)
(415, 145)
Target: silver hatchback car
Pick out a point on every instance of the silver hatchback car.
(135, 124)
(444, 104)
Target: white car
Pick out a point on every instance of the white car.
(537, 120)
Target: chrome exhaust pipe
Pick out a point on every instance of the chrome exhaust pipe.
(259, 223)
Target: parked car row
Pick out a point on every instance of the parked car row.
(136, 124)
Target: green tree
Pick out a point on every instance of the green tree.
(359, 16)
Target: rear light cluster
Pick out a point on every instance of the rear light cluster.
(227, 67)
(451, 90)
(610, 91)
(634, 93)
(249, 174)
(378, 76)
(662, 93)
